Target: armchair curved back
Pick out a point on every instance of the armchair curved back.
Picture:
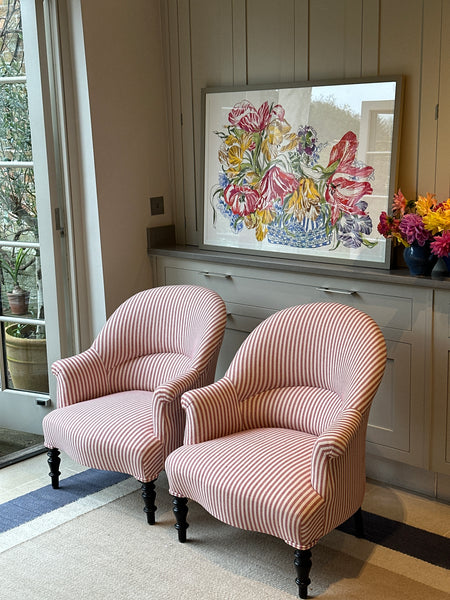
(318, 353)
(160, 333)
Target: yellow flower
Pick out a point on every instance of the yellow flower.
(305, 201)
(425, 205)
(438, 220)
(259, 220)
(231, 152)
(277, 134)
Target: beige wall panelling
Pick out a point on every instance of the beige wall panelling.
(172, 52)
(370, 37)
(400, 53)
(326, 48)
(187, 129)
(429, 98)
(211, 41)
(239, 41)
(353, 12)
(270, 41)
(443, 144)
(301, 40)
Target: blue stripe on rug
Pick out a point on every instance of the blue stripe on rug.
(44, 500)
(421, 544)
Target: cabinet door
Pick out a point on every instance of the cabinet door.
(441, 385)
(388, 429)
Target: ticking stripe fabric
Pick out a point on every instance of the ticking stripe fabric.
(119, 401)
(277, 445)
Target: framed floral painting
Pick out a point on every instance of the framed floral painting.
(302, 170)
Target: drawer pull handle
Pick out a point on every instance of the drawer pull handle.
(335, 291)
(222, 275)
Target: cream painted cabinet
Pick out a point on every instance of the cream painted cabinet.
(396, 426)
(441, 385)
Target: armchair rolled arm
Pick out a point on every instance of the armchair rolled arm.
(165, 396)
(80, 377)
(332, 444)
(211, 412)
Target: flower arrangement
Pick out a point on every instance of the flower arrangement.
(271, 177)
(419, 222)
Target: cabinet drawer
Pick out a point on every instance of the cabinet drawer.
(275, 292)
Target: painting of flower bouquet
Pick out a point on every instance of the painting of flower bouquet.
(285, 174)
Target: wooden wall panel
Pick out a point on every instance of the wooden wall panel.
(370, 29)
(400, 53)
(301, 41)
(353, 13)
(443, 140)
(270, 41)
(429, 97)
(239, 42)
(170, 25)
(211, 39)
(327, 39)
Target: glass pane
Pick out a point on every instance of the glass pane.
(18, 205)
(11, 39)
(383, 132)
(26, 357)
(15, 132)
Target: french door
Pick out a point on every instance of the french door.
(31, 317)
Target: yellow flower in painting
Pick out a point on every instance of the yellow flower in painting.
(259, 220)
(425, 204)
(231, 152)
(305, 201)
(277, 133)
(291, 142)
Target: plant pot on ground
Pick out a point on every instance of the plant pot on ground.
(26, 356)
(13, 264)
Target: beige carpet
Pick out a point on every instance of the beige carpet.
(111, 553)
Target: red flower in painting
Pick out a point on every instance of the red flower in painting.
(242, 199)
(276, 185)
(347, 185)
(245, 116)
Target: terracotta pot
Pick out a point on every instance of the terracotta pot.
(18, 301)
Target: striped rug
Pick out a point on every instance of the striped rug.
(26, 516)
(90, 540)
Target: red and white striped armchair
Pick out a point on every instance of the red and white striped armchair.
(118, 403)
(278, 444)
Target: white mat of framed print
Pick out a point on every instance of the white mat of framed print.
(301, 171)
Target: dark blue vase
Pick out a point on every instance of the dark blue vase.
(446, 260)
(419, 259)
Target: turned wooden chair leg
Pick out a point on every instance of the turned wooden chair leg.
(149, 495)
(180, 510)
(303, 564)
(359, 523)
(53, 462)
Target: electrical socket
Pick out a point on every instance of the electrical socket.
(157, 205)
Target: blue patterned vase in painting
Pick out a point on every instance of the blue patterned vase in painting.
(296, 234)
(419, 259)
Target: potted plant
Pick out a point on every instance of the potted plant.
(13, 264)
(26, 353)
